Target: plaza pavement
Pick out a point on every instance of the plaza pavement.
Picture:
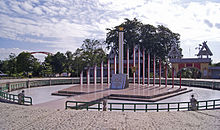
(17, 117)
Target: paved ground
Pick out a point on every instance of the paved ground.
(24, 117)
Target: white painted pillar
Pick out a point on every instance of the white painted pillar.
(139, 65)
(108, 76)
(102, 72)
(128, 63)
(154, 70)
(166, 75)
(95, 72)
(115, 64)
(121, 51)
(134, 64)
(88, 76)
(160, 73)
(143, 78)
(148, 72)
(81, 78)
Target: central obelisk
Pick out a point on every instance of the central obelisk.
(120, 80)
(121, 50)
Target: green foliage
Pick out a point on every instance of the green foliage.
(27, 63)
(46, 70)
(57, 62)
(88, 55)
(21, 65)
(189, 73)
(156, 40)
(1, 65)
(9, 66)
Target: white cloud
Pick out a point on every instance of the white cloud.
(65, 24)
(27, 6)
(5, 52)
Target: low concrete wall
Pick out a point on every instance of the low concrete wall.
(14, 84)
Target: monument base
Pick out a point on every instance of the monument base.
(119, 81)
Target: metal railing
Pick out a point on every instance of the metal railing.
(83, 105)
(14, 98)
(174, 106)
(14, 85)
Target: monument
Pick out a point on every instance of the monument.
(120, 81)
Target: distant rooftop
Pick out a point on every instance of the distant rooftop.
(191, 60)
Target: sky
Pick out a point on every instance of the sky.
(63, 25)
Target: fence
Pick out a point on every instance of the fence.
(14, 85)
(14, 98)
(174, 106)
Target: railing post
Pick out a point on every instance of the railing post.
(188, 106)
(197, 105)
(99, 106)
(206, 104)
(31, 100)
(8, 86)
(134, 107)
(168, 107)
(178, 107)
(157, 107)
(66, 104)
(13, 98)
(87, 106)
(213, 104)
(110, 107)
(123, 107)
(76, 106)
(146, 108)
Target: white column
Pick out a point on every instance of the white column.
(115, 64)
(148, 72)
(154, 69)
(108, 71)
(128, 62)
(81, 78)
(160, 73)
(139, 65)
(102, 72)
(121, 51)
(143, 81)
(134, 64)
(95, 72)
(88, 76)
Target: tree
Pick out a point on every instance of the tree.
(57, 62)
(90, 54)
(131, 33)
(46, 69)
(157, 40)
(9, 66)
(69, 62)
(27, 63)
(1, 65)
(189, 73)
(165, 39)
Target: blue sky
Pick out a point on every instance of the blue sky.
(61, 25)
